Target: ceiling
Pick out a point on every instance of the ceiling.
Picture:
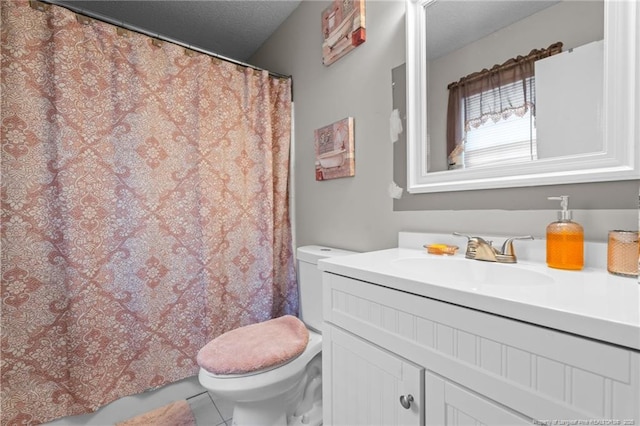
(454, 24)
(234, 29)
(237, 28)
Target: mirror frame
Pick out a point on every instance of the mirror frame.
(620, 157)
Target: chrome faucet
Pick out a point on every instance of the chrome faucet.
(480, 249)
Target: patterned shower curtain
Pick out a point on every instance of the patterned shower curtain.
(144, 210)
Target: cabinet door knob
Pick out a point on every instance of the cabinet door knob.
(406, 401)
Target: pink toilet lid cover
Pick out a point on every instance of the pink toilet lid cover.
(255, 347)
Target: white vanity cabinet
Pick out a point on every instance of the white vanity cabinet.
(461, 365)
(367, 382)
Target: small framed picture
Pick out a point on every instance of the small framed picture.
(343, 28)
(335, 150)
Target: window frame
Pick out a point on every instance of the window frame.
(526, 121)
(528, 145)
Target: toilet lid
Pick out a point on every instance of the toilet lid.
(255, 347)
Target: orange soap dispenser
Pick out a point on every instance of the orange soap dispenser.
(565, 240)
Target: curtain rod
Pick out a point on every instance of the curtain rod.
(109, 20)
(536, 54)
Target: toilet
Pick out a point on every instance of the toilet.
(290, 391)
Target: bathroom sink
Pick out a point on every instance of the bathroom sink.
(471, 273)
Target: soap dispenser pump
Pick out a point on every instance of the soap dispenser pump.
(565, 239)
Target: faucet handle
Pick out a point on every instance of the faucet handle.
(475, 244)
(473, 240)
(507, 247)
(472, 243)
(457, 234)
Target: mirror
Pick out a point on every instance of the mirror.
(593, 138)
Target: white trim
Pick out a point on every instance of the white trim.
(620, 158)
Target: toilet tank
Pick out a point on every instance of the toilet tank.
(310, 282)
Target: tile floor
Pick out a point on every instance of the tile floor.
(209, 412)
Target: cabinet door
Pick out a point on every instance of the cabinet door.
(451, 405)
(363, 384)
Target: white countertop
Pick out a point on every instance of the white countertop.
(591, 303)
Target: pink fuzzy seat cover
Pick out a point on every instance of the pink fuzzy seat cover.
(255, 347)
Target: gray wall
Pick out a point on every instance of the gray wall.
(357, 213)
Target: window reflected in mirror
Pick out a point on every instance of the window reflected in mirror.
(491, 113)
(503, 141)
(512, 82)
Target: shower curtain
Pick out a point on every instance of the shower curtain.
(144, 210)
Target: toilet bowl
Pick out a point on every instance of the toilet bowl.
(268, 397)
(289, 393)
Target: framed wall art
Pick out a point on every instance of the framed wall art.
(335, 150)
(343, 28)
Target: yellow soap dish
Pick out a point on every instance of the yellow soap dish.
(441, 249)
